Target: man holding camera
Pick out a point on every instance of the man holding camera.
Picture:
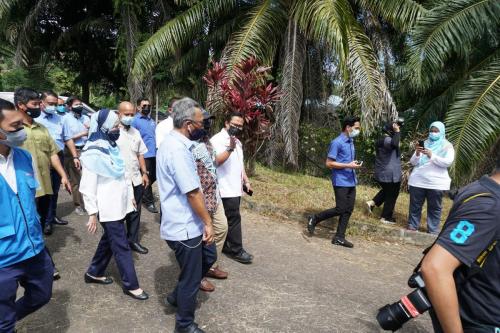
(462, 269)
(341, 160)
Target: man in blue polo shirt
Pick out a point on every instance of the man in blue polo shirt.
(147, 127)
(187, 227)
(60, 131)
(23, 260)
(341, 160)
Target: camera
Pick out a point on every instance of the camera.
(392, 317)
(387, 128)
(400, 121)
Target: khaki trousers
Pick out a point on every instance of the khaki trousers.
(219, 222)
(74, 176)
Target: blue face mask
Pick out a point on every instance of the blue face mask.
(61, 109)
(50, 109)
(127, 120)
(434, 136)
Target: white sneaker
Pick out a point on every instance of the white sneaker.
(384, 221)
(80, 211)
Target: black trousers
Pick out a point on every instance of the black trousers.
(195, 259)
(133, 219)
(56, 184)
(35, 275)
(345, 197)
(43, 207)
(387, 196)
(148, 198)
(234, 239)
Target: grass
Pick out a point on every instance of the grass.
(303, 195)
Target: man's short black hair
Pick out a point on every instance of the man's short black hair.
(231, 115)
(24, 95)
(139, 100)
(71, 99)
(46, 93)
(5, 105)
(349, 121)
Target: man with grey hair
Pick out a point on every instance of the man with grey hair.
(186, 224)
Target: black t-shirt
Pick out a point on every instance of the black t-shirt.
(472, 227)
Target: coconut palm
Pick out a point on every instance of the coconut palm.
(455, 51)
(277, 31)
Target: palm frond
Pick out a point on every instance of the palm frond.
(258, 35)
(289, 107)
(402, 14)
(179, 31)
(446, 30)
(366, 80)
(473, 120)
(324, 21)
(6, 6)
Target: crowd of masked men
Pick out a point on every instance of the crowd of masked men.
(109, 160)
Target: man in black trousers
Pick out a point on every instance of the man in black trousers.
(341, 160)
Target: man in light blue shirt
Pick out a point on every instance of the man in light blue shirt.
(185, 223)
(62, 134)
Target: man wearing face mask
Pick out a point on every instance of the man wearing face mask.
(79, 126)
(132, 150)
(23, 260)
(232, 177)
(61, 107)
(43, 149)
(62, 135)
(147, 127)
(341, 160)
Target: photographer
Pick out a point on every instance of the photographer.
(387, 172)
(461, 271)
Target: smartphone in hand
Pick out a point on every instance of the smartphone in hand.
(421, 143)
(360, 163)
(247, 191)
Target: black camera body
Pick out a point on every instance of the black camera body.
(387, 128)
(391, 317)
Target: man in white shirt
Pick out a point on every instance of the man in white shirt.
(232, 176)
(165, 126)
(132, 150)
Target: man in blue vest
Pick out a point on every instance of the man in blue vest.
(23, 259)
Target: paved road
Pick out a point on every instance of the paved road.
(297, 284)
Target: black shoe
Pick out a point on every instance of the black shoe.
(170, 300)
(151, 208)
(243, 257)
(141, 297)
(60, 221)
(193, 328)
(47, 230)
(138, 248)
(311, 224)
(342, 242)
(90, 279)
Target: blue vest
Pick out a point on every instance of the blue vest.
(20, 231)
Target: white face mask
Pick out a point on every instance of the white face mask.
(50, 109)
(354, 133)
(14, 139)
(127, 120)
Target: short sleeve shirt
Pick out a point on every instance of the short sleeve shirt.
(131, 145)
(342, 150)
(57, 126)
(177, 175)
(42, 146)
(147, 127)
(77, 126)
(472, 226)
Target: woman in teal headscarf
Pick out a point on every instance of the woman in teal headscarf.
(430, 178)
(108, 197)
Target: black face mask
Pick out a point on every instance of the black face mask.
(78, 111)
(146, 110)
(114, 135)
(33, 112)
(234, 131)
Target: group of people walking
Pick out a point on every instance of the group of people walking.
(428, 180)
(112, 170)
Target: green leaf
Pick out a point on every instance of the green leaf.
(402, 14)
(473, 120)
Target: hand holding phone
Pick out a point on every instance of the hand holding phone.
(360, 163)
(247, 190)
(421, 143)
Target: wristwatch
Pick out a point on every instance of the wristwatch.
(230, 150)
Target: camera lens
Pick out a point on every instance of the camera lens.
(392, 316)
